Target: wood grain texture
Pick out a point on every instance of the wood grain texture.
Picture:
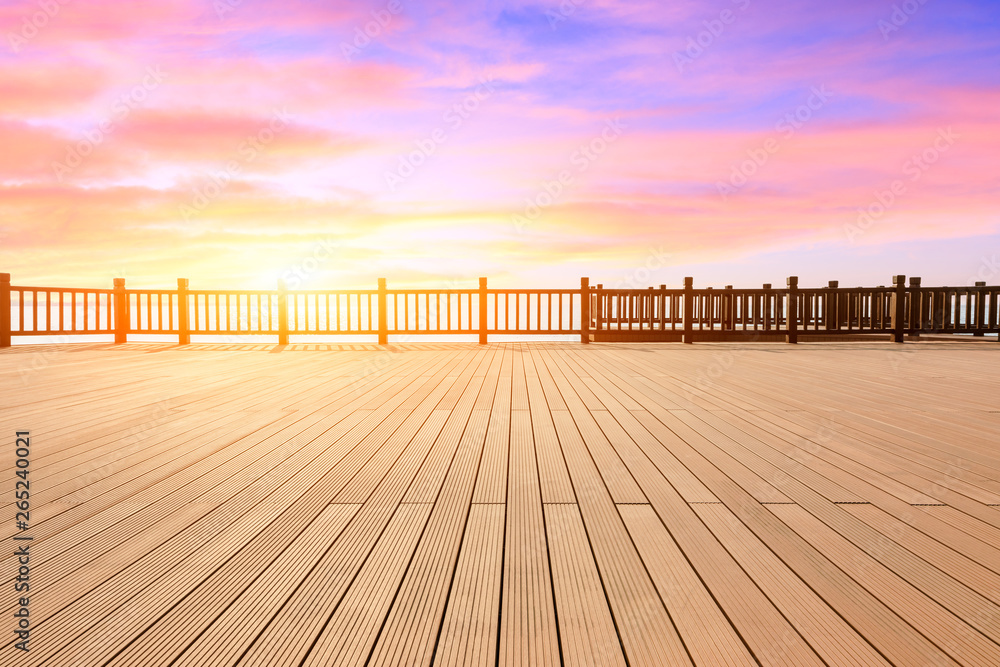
(511, 503)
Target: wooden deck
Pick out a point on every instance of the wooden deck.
(513, 504)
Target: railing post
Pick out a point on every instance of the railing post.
(661, 307)
(282, 313)
(917, 314)
(483, 311)
(121, 311)
(585, 310)
(832, 310)
(688, 309)
(899, 308)
(383, 313)
(5, 327)
(993, 312)
(792, 312)
(183, 330)
(727, 309)
(767, 306)
(709, 312)
(980, 309)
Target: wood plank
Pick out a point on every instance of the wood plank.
(528, 631)
(934, 620)
(757, 622)
(828, 634)
(239, 594)
(233, 504)
(350, 633)
(412, 625)
(707, 632)
(646, 630)
(586, 629)
(468, 635)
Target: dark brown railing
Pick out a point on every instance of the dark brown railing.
(592, 312)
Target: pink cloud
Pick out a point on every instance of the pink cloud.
(46, 88)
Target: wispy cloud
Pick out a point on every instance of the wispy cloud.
(553, 82)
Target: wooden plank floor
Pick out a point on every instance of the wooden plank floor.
(514, 504)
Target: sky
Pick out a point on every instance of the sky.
(237, 142)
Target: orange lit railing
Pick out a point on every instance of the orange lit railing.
(591, 312)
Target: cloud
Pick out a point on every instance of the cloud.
(554, 85)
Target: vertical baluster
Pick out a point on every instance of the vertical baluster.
(946, 303)
(571, 311)
(395, 311)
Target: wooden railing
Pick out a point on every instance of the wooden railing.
(592, 312)
(690, 314)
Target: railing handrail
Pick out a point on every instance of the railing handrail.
(591, 311)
